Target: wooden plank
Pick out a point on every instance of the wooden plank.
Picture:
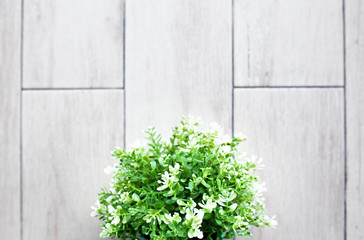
(67, 139)
(288, 43)
(73, 44)
(355, 117)
(178, 61)
(299, 133)
(10, 15)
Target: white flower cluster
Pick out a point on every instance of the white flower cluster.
(110, 209)
(106, 230)
(168, 178)
(153, 217)
(194, 141)
(239, 222)
(194, 216)
(207, 204)
(194, 219)
(162, 159)
(229, 169)
(226, 197)
(114, 170)
(96, 209)
(114, 217)
(168, 218)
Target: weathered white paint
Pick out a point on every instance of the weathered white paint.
(70, 44)
(67, 139)
(288, 43)
(9, 119)
(355, 117)
(178, 61)
(300, 133)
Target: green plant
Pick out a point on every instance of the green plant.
(194, 185)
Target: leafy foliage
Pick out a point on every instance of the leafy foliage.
(194, 185)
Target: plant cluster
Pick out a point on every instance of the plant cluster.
(196, 185)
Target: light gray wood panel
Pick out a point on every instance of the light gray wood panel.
(300, 135)
(355, 118)
(10, 15)
(288, 43)
(178, 62)
(73, 44)
(67, 140)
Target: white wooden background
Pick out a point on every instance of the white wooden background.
(80, 77)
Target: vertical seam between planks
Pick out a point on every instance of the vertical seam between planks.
(232, 69)
(21, 119)
(124, 93)
(345, 121)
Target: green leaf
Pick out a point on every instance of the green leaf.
(205, 184)
(136, 197)
(180, 188)
(218, 183)
(153, 164)
(170, 201)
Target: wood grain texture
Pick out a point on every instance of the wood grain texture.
(178, 61)
(67, 139)
(355, 118)
(73, 44)
(288, 43)
(300, 135)
(10, 15)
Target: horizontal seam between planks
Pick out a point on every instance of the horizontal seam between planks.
(57, 89)
(242, 87)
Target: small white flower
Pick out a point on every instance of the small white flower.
(109, 170)
(221, 211)
(257, 161)
(195, 214)
(124, 197)
(113, 213)
(174, 170)
(225, 149)
(167, 180)
(106, 231)
(193, 142)
(233, 206)
(225, 197)
(273, 222)
(215, 127)
(223, 139)
(194, 218)
(260, 189)
(161, 188)
(195, 233)
(168, 218)
(116, 220)
(191, 204)
(109, 198)
(240, 135)
(239, 222)
(111, 210)
(95, 209)
(209, 205)
(198, 233)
